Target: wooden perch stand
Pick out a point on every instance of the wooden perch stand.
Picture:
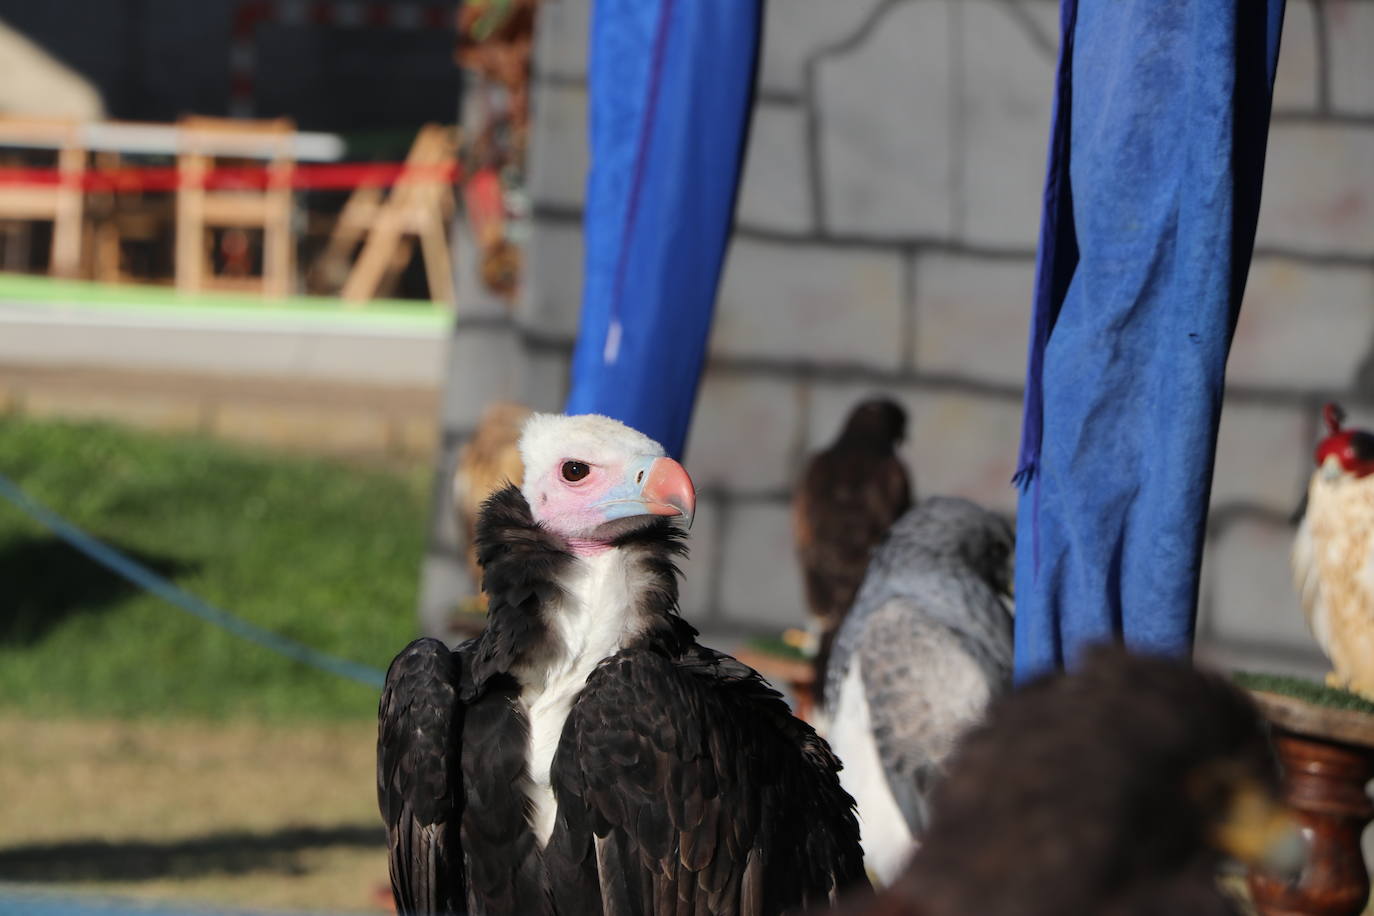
(1327, 756)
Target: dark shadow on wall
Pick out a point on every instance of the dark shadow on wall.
(157, 60)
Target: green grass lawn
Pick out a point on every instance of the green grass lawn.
(322, 552)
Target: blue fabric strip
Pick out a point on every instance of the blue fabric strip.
(671, 87)
(1156, 161)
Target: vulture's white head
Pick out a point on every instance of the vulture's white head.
(590, 479)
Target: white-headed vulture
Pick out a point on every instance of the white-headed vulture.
(584, 755)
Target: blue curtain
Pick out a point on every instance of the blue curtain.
(1152, 192)
(671, 85)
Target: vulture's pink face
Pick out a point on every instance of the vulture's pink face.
(590, 479)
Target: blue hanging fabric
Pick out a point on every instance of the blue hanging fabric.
(1155, 166)
(671, 85)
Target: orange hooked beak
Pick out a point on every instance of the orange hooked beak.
(652, 486)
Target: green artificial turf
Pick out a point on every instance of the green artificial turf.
(154, 301)
(325, 553)
(1303, 689)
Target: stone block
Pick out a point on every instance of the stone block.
(776, 191)
(1319, 189)
(301, 427)
(1005, 90)
(1219, 655)
(1358, 416)
(546, 379)
(796, 31)
(745, 433)
(1295, 85)
(1263, 456)
(471, 294)
(760, 578)
(810, 302)
(135, 408)
(384, 358)
(561, 33)
(552, 299)
(885, 112)
(1251, 598)
(965, 445)
(1303, 326)
(1350, 32)
(972, 316)
(444, 582)
(957, 444)
(485, 364)
(558, 157)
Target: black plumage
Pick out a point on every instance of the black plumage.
(683, 783)
(1114, 790)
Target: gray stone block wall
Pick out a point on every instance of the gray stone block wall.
(885, 242)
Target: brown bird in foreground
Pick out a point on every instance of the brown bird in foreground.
(1333, 550)
(1114, 791)
(848, 497)
(487, 463)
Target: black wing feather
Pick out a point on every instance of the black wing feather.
(720, 798)
(419, 727)
(505, 867)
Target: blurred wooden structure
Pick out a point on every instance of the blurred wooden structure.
(221, 187)
(114, 219)
(420, 205)
(1327, 756)
(204, 142)
(60, 203)
(496, 41)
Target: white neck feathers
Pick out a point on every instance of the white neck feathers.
(598, 614)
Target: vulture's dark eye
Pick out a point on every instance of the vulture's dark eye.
(575, 470)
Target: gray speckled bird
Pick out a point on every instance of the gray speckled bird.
(927, 644)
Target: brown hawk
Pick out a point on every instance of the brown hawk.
(848, 497)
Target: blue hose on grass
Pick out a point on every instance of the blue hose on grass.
(150, 581)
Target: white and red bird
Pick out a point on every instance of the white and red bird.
(1333, 555)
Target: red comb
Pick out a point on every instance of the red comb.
(1334, 416)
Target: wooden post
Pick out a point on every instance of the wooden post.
(417, 206)
(1327, 760)
(65, 260)
(63, 203)
(190, 232)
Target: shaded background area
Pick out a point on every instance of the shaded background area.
(155, 60)
(885, 242)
